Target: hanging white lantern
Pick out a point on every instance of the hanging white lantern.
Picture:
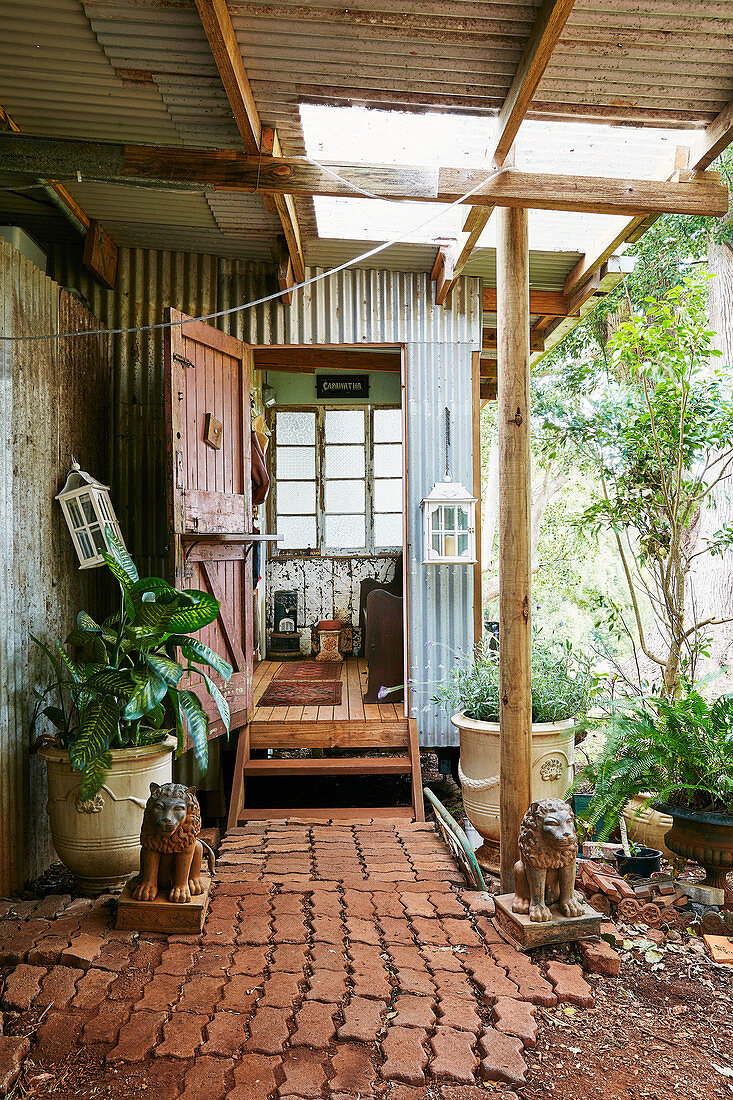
(449, 525)
(89, 514)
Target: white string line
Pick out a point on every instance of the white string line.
(268, 297)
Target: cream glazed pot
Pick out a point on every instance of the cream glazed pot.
(99, 840)
(553, 771)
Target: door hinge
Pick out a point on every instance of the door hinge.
(182, 359)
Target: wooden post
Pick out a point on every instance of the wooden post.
(515, 631)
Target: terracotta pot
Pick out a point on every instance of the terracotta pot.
(553, 759)
(650, 827)
(99, 840)
(706, 838)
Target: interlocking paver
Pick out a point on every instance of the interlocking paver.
(459, 1012)
(305, 1074)
(268, 1030)
(13, 1050)
(453, 1056)
(225, 1034)
(137, 1037)
(254, 1077)
(515, 1017)
(569, 984)
(21, 986)
(363, 1019)
(183, 1034)
(501, 1057)
(413, 1011)
(327, 985)
(354, 1073)
(314, 1026)
(406, 1055)
(104, 1025)
(207, 1079)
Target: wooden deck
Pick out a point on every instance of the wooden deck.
(352, 707)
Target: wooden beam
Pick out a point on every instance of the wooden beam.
(284, 271)
(545, 35)
(230, 170)
(478, 605)
(515, 661)
(489, 342)
(303, 359)
(714, 140)
(550, 303)
(217, 24)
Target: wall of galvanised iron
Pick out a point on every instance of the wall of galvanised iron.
(354, 306)
(53, 404)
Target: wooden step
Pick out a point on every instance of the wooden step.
(329, 813)
(332, 765)
(330, 735)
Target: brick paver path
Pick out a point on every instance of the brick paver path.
(338, 961)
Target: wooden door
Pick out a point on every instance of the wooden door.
(209, 494)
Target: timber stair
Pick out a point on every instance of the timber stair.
(396, 740)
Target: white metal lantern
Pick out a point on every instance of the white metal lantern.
(88, 513)
(449, 527)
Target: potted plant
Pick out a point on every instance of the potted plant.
(563, 686)
(678, 754)
(116, 696)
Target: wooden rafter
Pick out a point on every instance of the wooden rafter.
(228, 170)
(217, 24)
(545, 35)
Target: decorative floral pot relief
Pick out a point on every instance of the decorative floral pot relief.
(553, 758)
(99, 840)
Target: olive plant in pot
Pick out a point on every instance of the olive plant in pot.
(678, 754)
(563, 688)
(116, 698)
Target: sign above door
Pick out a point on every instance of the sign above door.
(342, 385)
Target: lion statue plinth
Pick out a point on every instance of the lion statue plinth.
(545, 874)
(171, 850)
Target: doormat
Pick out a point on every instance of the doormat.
(310, 670)
(284, 693)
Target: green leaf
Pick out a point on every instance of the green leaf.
(99, 725)
(71, 668)
(112, 681)
(201, 610)
(85, 622)
(148, 693)
(194, 650)
(194, 722)
(221, 704)
(155, 586)
(153, 618)
(164, 667)
(94, 775)
(119, 554)
(148, 736)
(57, 716)
(56, 664)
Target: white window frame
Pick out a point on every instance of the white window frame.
(321, 549)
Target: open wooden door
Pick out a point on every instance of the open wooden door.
(207, 403)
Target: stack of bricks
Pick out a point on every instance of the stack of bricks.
(337, 961)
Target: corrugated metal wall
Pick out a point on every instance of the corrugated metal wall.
(53, 403)
(354, 306)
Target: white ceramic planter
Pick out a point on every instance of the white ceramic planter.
(99, 840)
(650, 827)
(553, 759)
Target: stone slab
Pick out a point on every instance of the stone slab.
(161, 915)
(703, 895)
(526, 934)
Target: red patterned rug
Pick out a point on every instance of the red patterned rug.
(284, 693)
(309, 670)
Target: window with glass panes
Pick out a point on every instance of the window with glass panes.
(338, 479)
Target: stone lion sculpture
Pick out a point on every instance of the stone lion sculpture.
(171, 849)
(545, 874)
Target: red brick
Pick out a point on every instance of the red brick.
(515, 1017)
(177, 959)
(366, 956)
(415, 981)
(249, 960)
(450, 984)
(532, 986)
(305, 1074)
(489, 976)
(569, 984)
(359, 904)
(280, 990)
(362, 1020)
(442, 958)
(406, 1056)
(221, 931)
(21, 986)
(214, 959)
(460, 933)
(254, 929)
(448, 904)
(82, 950)
(314, 1026)
(240, 993)
(413, 1012)
(326, 903)
(92, 989)
(16, 940)
(397, 930)
(371, 982)
(460, 1013)
(268, 1030)
(328, 930)
(58, 987)
(161, 993)
(289, 928)
(353, 1070)
(327, 985)
(52, 906)
(429, 931)
(201, 993)
(104, 1026)
(207, 1079)
(487, 930)
(57, 1036)
(407, 957)
(137, 1037)
(225, 1034)
(254, 1077)
(13, 1050)
(417, 905)
(115, 955)
(501, 1058)
(289, 957)
(326, 956)
(453, 1057)
(182, 1035)
(479, 902)
(384, 904)
(600, 958)
(360, 930)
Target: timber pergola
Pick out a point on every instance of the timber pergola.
(206, 104)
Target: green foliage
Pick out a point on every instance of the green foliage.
(563, 684)
(119, 687)
(676, 751)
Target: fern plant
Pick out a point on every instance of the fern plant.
(679, 752)
(116, 685)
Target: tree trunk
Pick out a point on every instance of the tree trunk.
(711, 582)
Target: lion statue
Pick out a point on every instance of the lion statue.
(545, 874)
(171, 849)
